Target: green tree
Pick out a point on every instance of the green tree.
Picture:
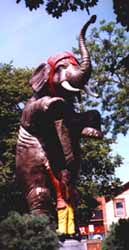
(117, 238)
(109, 79)
(11, 199)
(14, 91)
(107, 45)
(57, 8)
(97, 176)
(121, 9)
(27, 232)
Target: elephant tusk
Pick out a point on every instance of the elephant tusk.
(89, 91)
(67, 86)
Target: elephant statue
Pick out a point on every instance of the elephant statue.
(50, 128)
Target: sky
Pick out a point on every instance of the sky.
(29, 38)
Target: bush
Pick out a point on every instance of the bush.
(118, 236)
(27, 232)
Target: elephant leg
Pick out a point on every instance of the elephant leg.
(65, 140)
(38, 200)
(36, 191)
(89, 124)
(31, 174)
(70, 148)
(93, 125)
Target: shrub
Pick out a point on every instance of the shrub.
(118, 236)
(27, 232)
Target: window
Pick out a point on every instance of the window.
(97, 215)
(119, 208)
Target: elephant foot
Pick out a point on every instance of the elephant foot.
(92, 132)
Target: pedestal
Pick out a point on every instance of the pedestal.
(73, 245)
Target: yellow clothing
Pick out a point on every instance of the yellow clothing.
(66, 223)
(65, 204)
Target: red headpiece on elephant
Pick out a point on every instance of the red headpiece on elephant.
(45, 71)
(53, 60)
(46, 79)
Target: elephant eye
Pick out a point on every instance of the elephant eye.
(60, 67)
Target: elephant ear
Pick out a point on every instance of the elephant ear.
(40, 77)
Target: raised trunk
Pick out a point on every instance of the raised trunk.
(86, 63)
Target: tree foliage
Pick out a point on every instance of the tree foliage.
(121, 9)
(117, 237)
(11, 199)
(27, 232)
(109, 79)
(97, 176)
(57, 8)
(107, 46)
(98, 167)
(14, 90)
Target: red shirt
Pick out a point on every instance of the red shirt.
(61, 202)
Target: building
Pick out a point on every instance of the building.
(118, 207)
(108, 211)
(96, 229)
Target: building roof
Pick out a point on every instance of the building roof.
(120, 190)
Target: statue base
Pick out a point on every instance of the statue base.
(73, 245)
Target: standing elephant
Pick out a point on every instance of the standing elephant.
(50, 128)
